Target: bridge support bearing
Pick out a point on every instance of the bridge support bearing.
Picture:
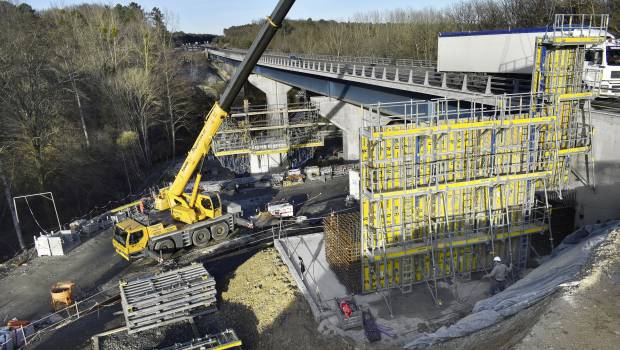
(346, 117)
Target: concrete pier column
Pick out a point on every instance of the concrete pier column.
(275, 91)
(348, 118)
(276, 94)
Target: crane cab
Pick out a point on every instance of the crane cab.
(131, 238)
(207, 206)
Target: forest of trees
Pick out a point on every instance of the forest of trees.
(92, 98)
(407, 33)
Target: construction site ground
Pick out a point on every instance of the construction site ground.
(94, 266)
(258, 297)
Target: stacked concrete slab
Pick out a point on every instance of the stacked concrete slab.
(169, 297)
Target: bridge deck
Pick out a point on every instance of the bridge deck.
(409, 76)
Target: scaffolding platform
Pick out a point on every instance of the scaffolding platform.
(267, 130)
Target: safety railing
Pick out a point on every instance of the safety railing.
(580, 25)
(417, 113)
(51, 322)
(402, 71)
(458, 227)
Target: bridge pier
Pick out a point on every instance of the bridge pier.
(347, 117)
(275, 91)
(276, 94)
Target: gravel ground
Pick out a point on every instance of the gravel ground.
(262, 303)
(584, 316)
(259, 301)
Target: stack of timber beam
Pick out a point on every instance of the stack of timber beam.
(342, 248)
(169, 297)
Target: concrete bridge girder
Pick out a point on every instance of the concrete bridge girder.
(403, 87)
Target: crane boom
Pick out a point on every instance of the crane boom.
(187, 207)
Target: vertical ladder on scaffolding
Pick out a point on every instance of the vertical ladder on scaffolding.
(406, 274)
(430, 241)
(406, 264)
(524, 247)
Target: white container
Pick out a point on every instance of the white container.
(354, 184)
(56, 243)
(489, 51)
(280, 210)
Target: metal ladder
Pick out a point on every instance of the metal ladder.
(524, 247)
(407, 274)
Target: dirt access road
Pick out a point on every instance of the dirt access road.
(26, 288)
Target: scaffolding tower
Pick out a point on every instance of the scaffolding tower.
(293, 130)
(446, 184)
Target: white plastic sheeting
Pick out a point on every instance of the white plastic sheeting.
(563, 266)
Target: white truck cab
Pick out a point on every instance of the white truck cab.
(604, 60)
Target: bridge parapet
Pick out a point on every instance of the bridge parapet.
(412, 75)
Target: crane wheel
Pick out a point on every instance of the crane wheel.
(201, 237)
(219, 231)
(165, 245)
(165, 248)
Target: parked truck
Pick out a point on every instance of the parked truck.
(184, 218)
(511, 53)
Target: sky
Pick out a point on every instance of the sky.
(212, 16)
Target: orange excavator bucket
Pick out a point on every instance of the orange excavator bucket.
(62, 295)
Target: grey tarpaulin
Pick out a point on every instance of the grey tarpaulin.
(563, 266)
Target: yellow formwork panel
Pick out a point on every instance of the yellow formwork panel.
(441, 196)
(387, 273)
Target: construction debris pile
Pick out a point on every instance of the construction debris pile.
(169, 297)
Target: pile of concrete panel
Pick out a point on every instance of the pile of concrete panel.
(169, 297)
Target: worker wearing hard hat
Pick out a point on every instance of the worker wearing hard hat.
(498, 275)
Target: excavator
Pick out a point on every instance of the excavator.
(184, 219)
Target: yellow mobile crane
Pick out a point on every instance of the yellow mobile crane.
(196, 218)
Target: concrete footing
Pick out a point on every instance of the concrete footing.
(403, 314)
